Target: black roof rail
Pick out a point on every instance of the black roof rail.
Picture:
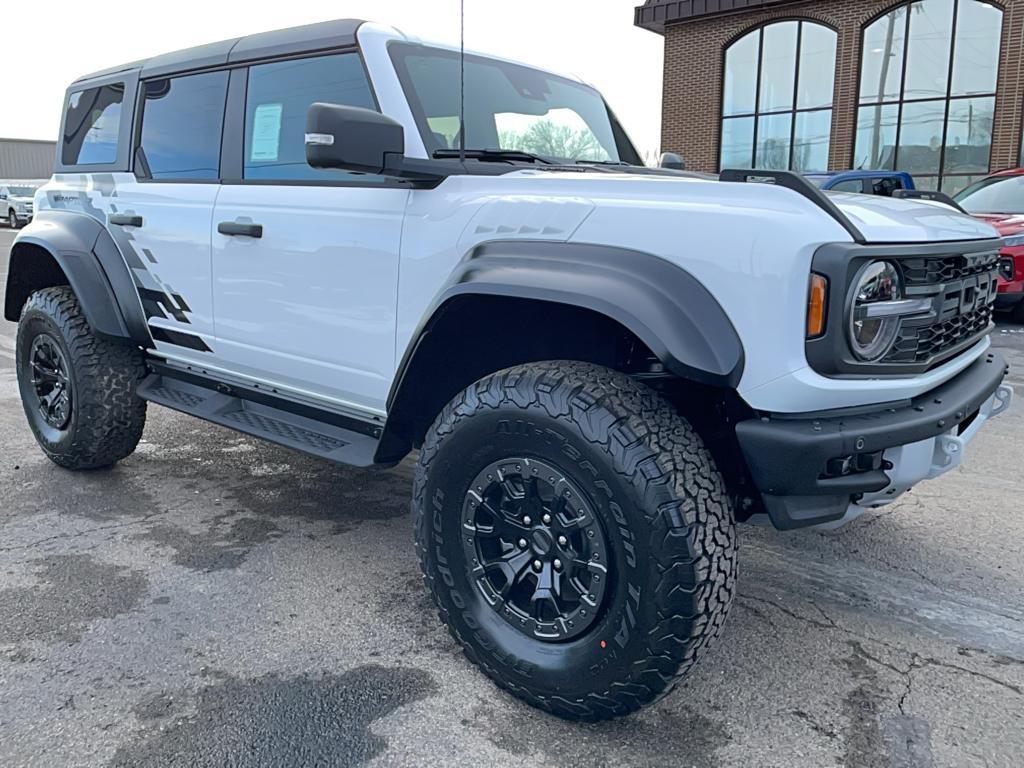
(801, 186)
(924, 194)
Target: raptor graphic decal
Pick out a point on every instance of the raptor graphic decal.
(94, 195)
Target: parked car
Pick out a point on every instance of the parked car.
(882, 183)
(604, 366)
(16, 202)
(999, 200)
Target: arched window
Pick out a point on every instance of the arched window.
(927, 91)
(777, 98)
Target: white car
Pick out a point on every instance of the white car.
(604, 367)
(16, 202)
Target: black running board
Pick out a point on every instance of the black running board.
(276, 425)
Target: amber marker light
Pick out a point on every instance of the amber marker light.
(816, 300)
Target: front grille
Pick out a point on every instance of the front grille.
(963, 288)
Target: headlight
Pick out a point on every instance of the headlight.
(872, 332)
(1013, 241)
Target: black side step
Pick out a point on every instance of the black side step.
(309, 435)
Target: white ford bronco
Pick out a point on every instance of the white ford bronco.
(604, 367)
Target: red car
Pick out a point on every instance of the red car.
(999, 200)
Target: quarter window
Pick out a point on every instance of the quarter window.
(91, 125)
(927, 91)
(777, 100)
(182, 119)
(279, 95)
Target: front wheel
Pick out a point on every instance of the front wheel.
(12, 220)
(576, 536)
(78, 389)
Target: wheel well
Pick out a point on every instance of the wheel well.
(31, 269)
(473, 336)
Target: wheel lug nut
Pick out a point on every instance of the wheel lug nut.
(522, 543)
(527, 520)
(558, 565)
(546, 519)
(537, 565)
(562, 541)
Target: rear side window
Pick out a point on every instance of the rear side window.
(91, 125)
(278, 97)
(182, 119)
(850, 185)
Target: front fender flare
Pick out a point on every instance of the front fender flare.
(665, 306)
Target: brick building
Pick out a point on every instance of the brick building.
(934, 87)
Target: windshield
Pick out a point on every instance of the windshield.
(508, 107)
(996, 194)
(21, 191)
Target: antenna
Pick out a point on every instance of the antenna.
(462, 81)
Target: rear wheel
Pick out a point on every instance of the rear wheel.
(78, 389)
(576, 537)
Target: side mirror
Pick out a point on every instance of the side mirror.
(352, 139)
(672, 161)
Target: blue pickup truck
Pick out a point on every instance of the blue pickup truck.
(865, 182)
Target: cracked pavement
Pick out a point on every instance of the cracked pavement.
(218, 601)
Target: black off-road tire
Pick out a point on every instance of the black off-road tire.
(106, 416)
(661, 503)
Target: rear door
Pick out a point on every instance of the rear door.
(308, 305)
(163, 214)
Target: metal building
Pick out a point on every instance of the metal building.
(26, 158)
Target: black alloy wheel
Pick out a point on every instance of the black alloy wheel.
(539, 554)
(50, 381)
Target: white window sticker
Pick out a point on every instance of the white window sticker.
(266, 133)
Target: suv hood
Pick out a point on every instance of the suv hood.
(20, 199)
(889, 220)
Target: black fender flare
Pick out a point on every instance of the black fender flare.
(93, 266)
(665, 306)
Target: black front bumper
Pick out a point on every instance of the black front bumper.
(1008, 300)
(808, 467)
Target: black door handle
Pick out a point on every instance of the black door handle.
(125, 219)
(235, 228)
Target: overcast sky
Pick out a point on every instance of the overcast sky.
(50, 44)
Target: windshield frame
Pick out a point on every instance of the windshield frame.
(397, 51)
(988, 181)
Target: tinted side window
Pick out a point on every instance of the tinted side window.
(91, 126)
(278, 96)
(850, 185)
(182, 118)
(886, 185)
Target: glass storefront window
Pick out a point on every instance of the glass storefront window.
(927, 90)
(777, 98)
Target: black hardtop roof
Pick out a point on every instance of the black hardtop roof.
(339, 33)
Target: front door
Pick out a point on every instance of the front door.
(307, 306)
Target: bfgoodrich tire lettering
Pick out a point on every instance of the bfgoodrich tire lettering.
(106, 417)
(661, 504)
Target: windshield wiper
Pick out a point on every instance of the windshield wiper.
(600, 162)
(492, 155)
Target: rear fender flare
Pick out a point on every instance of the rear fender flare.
(90, 260)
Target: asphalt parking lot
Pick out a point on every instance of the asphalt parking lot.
(217, 601)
